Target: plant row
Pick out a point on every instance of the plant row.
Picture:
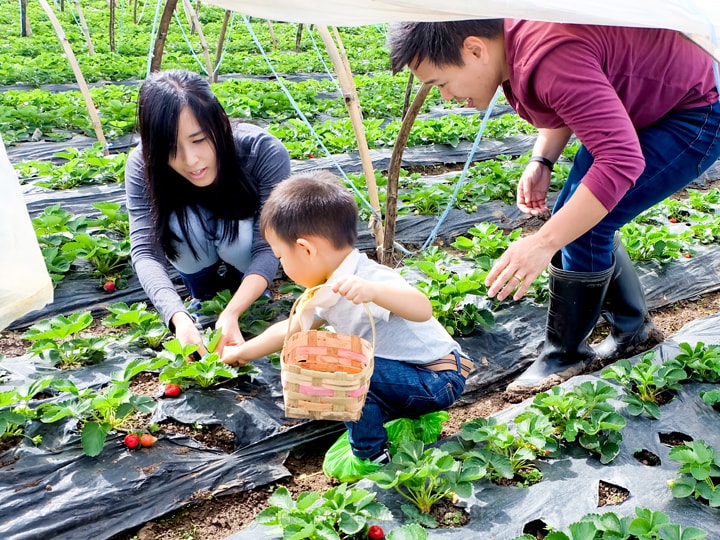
(40, 59)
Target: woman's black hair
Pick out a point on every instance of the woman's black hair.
(230, 198)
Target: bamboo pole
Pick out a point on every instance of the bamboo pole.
(394, 172)
(111, 26)
(298, 37)
(84, 26)
(159, 47)
(342, 68)
(203, 42)
(95, 119)
(221, 44)
(272, 35)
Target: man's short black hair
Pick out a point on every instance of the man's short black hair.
(439, 42)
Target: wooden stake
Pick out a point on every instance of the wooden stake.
(159, 47)
(298, 37)
(394, 173)
(203, 43)
(84, 26)
(221, 43)
(111, 26)
(25, 29)
(78, 75)
(272, 35)
(342, 68)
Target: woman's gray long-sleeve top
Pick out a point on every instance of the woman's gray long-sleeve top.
(263, 159)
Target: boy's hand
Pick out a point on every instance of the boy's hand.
(355, 289)
(233, 356)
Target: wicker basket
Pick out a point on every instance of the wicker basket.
(325, 375)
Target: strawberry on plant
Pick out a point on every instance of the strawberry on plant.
(131, 440)
(172, 390)
(147, 440)
(375, 532)
(109, 286)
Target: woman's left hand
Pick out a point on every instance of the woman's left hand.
(231, 334)
(517, 268)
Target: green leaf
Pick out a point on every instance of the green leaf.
(93, 437)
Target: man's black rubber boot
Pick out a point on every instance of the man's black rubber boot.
(624, 308)
(575, 301)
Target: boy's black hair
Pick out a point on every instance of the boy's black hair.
(439, 42)
(232, 197)
(311, 204)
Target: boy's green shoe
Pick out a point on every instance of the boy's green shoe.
(342, 464)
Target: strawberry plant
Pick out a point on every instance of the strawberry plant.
(98, 413)
(109, 256)
(648, 525)
(425, 477)
(146, 326)
(448, 291)
(59, 341)
(206, 372)
(702, 362)
(113, 218)
(340, 513)
(582, 416)
(712, 398)
(648, 242)
(700, 470)
(502, 454)
(15, 410)
(647, 385)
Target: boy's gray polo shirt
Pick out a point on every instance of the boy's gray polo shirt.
(396, 338)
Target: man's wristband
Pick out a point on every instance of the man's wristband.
(545, 161)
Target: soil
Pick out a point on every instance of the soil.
(218, 518)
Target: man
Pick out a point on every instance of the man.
(644, 105)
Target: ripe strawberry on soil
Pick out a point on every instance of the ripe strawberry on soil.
(172, 390)
(131, 440)
(109, 286)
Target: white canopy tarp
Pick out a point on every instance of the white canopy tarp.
(25, 284)
(699, 19)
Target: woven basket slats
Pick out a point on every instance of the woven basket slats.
(326, 375)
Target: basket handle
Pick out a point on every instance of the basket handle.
(313, 289)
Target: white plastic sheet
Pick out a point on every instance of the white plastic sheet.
(700, 19)
(25, 284)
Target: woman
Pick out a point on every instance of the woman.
(195, 187)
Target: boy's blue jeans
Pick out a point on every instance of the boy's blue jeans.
(400, 390)
(677, 148)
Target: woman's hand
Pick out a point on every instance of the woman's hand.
(532, 189)
(231, 334)
(187, 333)
(517, 268)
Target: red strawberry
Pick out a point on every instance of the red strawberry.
(172, 390)
(672, 220)
(375, 532)
(147, 439)
(311, 155)
(131, 440)
(109, 286)
(687, 255)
